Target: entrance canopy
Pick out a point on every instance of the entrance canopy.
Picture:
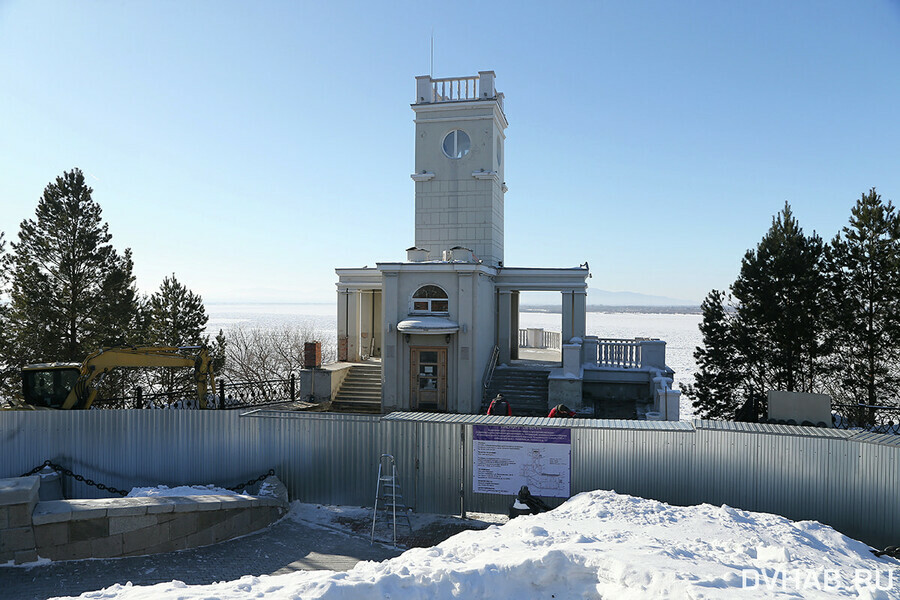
(428, 326)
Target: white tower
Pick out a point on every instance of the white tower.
(459, 166)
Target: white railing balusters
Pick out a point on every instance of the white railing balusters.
(625, 354)
(455, 89)
(552, 340)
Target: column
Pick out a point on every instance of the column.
(567, 324)
(504, 320)
(579, 313)
(353, 326)
(514, 326)
(342, 324)
(467, 395)
(366, 306)
(393, 354)
(377, 318)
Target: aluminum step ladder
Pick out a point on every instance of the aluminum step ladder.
(389, 496)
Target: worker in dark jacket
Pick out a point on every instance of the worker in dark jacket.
(561, 410)
(499, 406)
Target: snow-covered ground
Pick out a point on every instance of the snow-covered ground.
(597, 545)
(181, 490)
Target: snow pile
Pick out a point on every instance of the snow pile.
(597, 545)
(181, 490)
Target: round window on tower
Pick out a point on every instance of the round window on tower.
(456, 144)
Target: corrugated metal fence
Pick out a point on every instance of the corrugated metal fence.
(850, 480)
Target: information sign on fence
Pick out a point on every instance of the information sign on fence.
(506, 458)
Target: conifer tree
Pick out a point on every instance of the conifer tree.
(779, 294)
(718, 382)
(71, 292)
(176, 315)
(773, 339)
(7, 360)
(863, 263)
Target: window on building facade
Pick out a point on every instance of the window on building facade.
(430, 299)
(456, 144)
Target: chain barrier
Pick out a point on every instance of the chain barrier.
(76, 477)
(269, 473)
(112, 490)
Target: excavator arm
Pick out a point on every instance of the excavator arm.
(82, 391)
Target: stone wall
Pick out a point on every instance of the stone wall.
(111, 527)
(18, 497)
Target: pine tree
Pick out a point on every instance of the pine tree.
(773, 338)
(779, 294)
(176, 315)
(717, 384)
(71, 292)
(8, 382)
(864, 309)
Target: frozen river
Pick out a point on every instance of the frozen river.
(679, 331)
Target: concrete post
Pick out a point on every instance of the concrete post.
(591, 347)
(653, 354)
(567, 323)
(668, 403)
(504, 320)
(486, 84)
(571, 360)
(424, 91)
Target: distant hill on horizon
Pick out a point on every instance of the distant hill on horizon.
(597, 297)
(607, 298)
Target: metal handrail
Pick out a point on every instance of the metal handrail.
(489, 370)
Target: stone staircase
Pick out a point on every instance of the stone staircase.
(524, 389)
(361, 391)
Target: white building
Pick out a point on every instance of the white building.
(442, 319)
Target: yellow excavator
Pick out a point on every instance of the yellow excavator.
(73, 385)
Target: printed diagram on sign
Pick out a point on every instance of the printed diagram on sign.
(506, 458)
(544, 473)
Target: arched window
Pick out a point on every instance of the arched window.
(430, 299)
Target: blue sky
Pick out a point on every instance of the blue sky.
(252, 147)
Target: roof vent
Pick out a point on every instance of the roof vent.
(415, 254)
(460, 254)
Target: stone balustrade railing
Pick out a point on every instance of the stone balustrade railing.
(636, 353)
(552, 340)
(450, 89)
(540, 338)
(455, 89)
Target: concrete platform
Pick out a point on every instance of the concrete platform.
(284, 547)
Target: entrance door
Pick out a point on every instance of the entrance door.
(428, 378)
